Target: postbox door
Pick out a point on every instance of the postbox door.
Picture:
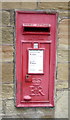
(35, 58)
(35, 73)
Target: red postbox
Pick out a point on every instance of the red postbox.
(35, 58)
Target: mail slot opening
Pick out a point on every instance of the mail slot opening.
(36, 29)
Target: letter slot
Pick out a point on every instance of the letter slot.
(36, 29)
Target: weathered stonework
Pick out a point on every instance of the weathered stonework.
(7, 53)
(62, 71)
(61, 85)
(7, 91)
(62, 56)
(28, 112)
(0, 35)
(61, 105)
(12, 18)
(63, 32)
(1, 53)
(0, 18)
(53, 5)
(19, 5)
(6, 18)
(1, 110)
(0, 94)
(7, 35)
(63, 14)
(8, 74)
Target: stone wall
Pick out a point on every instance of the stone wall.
(8, 42)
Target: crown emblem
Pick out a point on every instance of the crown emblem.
(36, 81)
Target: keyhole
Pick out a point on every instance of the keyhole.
(27, 76)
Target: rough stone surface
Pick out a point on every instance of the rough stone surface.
(5, 18)
(53, 5)
(0, 35)
(0, 18)
(63, 47)
(7, 72)
(0, 106)
(69, 103)
(0, 5)
(0, 53)
(0, 92)
(63, 14)
(69, 55)
(57, 112)
(19, 5)
(63, 32)
(28, 112)
(63, 55)
(7, 53)
(14, 111)
(1, 110)
(7, 91)
(0, 72)
(46, 112)
(7, 35)
(61, 108)
(62, 71)
(61, 84)
(12, 17)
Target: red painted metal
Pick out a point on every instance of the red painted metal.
(35, 89)
(36, 29)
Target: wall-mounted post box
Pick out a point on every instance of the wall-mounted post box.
(35, 58)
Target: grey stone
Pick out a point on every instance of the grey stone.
(61, 105)
(7, 35)
(5, 18)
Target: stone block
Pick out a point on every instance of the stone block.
(45, 112)
(62, 71)
(0, 73)
(63, 47)
(19, 5)
(7, 72)
(5, 18)
(69, 55)
(7, 91)
(12, 110)
(7, 53)
(63, 32)
(53, 5)
(1, 108)
(62, 55)
(0, 18)
(0, 35)
(0, 5)
(28, 112)
(63, 14)
(0, 53)
(7, 35)
(0, 105)
(61, 105)
(12, 17)
(0, 91)
(61, 84)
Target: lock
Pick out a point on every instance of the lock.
(28, 78)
